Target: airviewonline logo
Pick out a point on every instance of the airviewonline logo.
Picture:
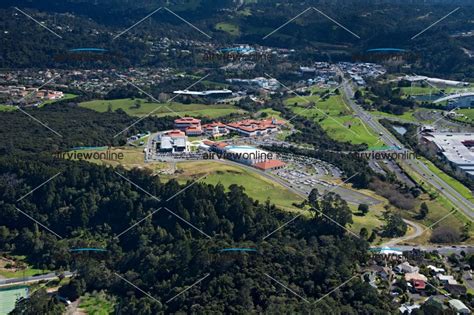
(386, 153)
(81, 153)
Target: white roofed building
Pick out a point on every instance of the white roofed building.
(457, 149)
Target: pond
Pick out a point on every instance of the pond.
(401, 130)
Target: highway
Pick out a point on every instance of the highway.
(461, 203)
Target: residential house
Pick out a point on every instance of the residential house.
(459, 307)
(405, 267)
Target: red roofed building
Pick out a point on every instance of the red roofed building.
(174, 133)
(418, 284)
(255, 128)
(219, 147)
(269, 165)
(208, 143)
(215, 129)
(190, 125)
(193, 131)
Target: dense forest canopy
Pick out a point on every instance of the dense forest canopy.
(180, 241)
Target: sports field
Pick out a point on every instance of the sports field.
(335, 117)
(9, 296)
(161, 109)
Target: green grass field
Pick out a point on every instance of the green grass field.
(97, 303)
(408, 115)
(229, 28)
(67, 96)
(468, 115)
(270, 113)
(18, 274)
(6, 108)
(336, 118)
(418, 90)
(8, 273)
(256, 186)
(372, 220)
(427, 90)
(177, 109)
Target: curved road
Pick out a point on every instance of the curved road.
(418, 231)
(351, 196)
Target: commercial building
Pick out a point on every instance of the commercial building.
(209, 93)
(172, 141)
(456, 148)
(420, 78)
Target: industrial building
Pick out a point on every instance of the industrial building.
(457, 149)
(209, 93)
(436, 81)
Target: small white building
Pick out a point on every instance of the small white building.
(435, 269)
(408, 308)
(459, 307)
(406, 268)
(446, 279)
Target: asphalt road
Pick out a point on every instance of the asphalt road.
(461, 203)
(351, 196)
(46, 277)
(444, 250)
(418, 231)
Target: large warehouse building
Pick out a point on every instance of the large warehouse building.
(457, 148)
